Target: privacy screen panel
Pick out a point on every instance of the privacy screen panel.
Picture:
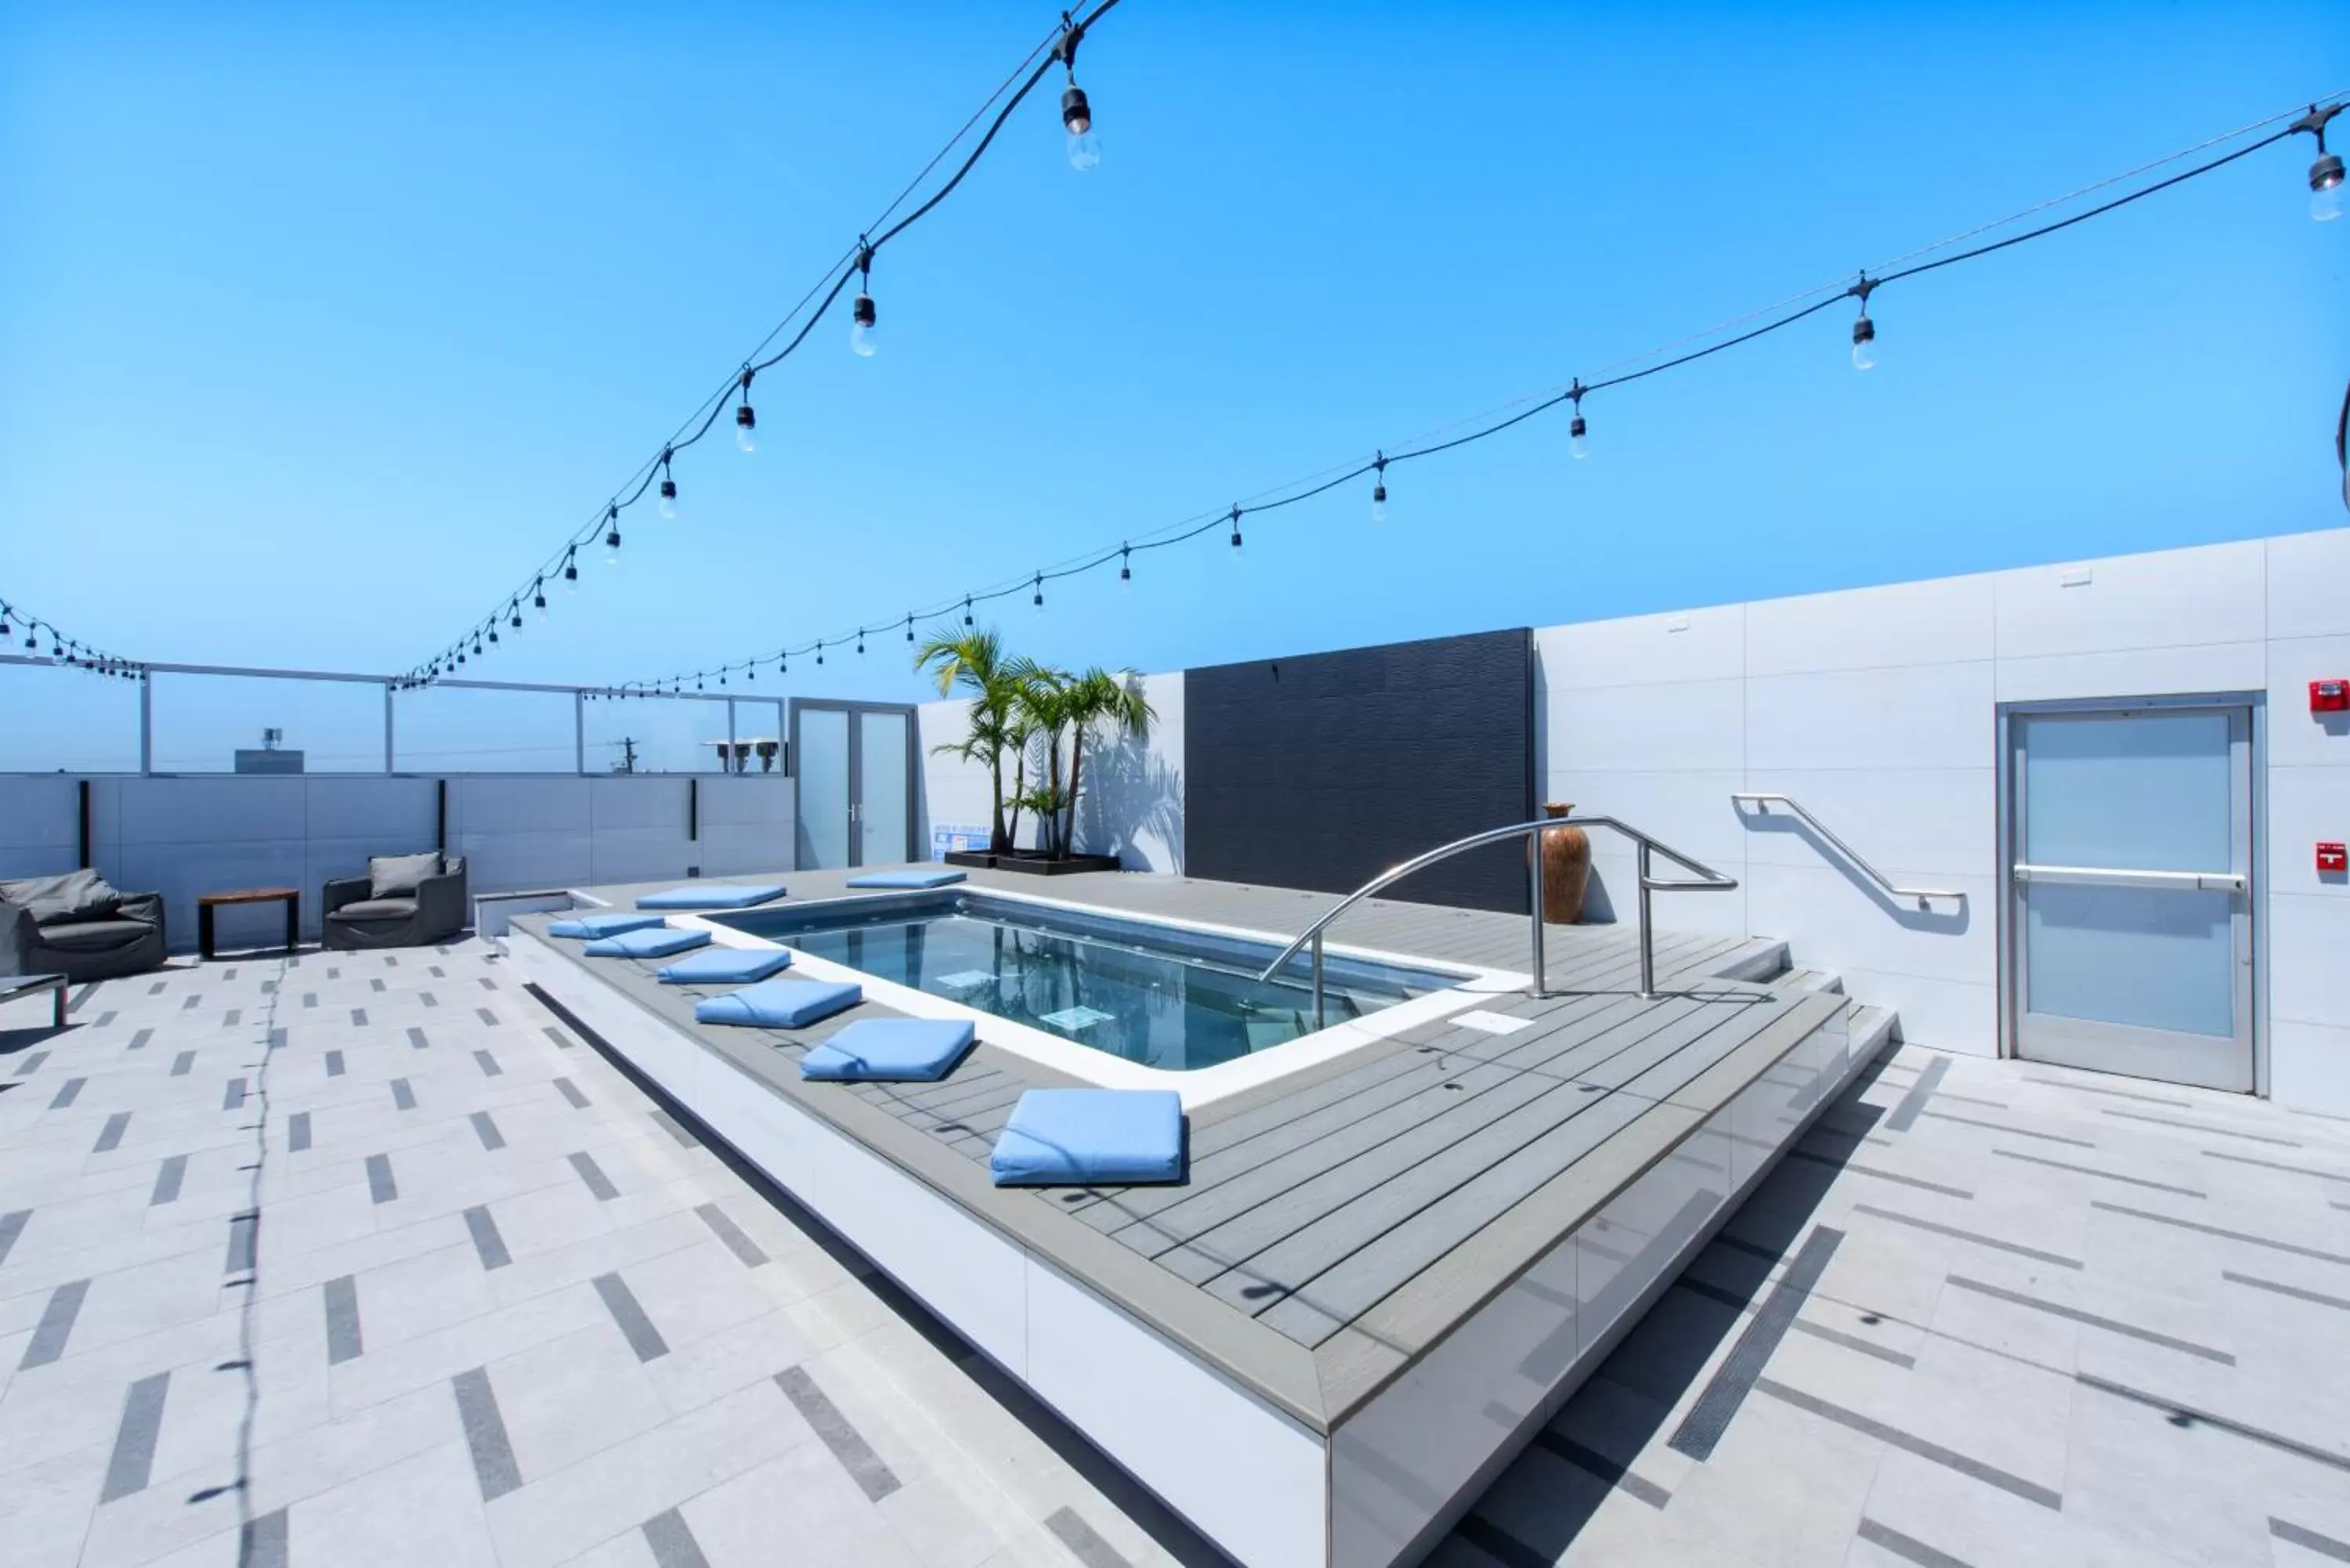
(1324, 770)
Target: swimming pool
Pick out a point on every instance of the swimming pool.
(1157, 995)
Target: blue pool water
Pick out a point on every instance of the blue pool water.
(1149, 993)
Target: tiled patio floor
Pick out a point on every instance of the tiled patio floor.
(499, 1309)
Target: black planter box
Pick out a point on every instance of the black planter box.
(1030, 863)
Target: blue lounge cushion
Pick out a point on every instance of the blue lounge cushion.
(646, 944)
(712, 895)
(606, 925)
(1075, 1138)
(779, 1003)
(725, 966)
(935, 877)
(891, 1051)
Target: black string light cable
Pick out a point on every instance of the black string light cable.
(1059, 46)
(19, 626)
(1675, 355)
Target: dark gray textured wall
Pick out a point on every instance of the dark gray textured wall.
(1320, 772)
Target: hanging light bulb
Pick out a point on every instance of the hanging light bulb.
(1863, 331)
(1379, 488)
(2325, 188)
(1125, 567)
(860, 642)
(493, 633)
(668, 489)
(1236, 529)
(612, 535)
(819, 651)
(571, 570)
(1575, 427)
(910, 628)
(4, 629)
(862, 340)
(746, 423)
(1076, 114)
(514, 614)
(750, 672)
(966, 609)
(539, 598)
(1040, 592)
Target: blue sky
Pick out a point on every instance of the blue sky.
(320, 327)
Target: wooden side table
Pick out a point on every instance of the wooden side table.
(206, 903)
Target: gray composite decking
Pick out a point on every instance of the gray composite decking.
(1334, 1224)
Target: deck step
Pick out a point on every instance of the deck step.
(1798, 982)
(1871, 1028)
(1758, 958)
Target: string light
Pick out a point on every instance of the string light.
(2324, 174)
(571, 570)
(1379, 488)
(1125, 567)
(612, 535)
(667, 486)
(1040, 592)
(1236, 529)
(1576, 428)
(909, 626)
(539, 598)
(862, 341)
(746, 422)
(1863, 331)
(1077, 113)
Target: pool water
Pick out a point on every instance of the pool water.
(1157, 995)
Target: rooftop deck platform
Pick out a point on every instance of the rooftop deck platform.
(1519, 1177)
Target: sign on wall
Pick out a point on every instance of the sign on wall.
(957, 837)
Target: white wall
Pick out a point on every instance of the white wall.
(184, 836)
(1130, 799)
(1878, 709)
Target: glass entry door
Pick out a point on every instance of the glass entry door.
(2131, 928)
(854, 780)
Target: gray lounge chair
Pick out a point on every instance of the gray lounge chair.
(432, 910)
(77, 926)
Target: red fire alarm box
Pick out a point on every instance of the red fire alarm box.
(2332, 858)
(2329, 696)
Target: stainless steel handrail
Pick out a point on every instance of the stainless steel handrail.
(1762, 803)
(1712, 882)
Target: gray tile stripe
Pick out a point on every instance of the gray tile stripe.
(635, 1326)
(68, 1093)
(382, 1188)
(485, 1434)
(593, 1174)
(2309, 1539)
(673, 1545)
(487, 1130)
(30, 1064)
(403, 1098)
(309, 999)
(241, 1232)
(428, 998)
(234, 1096)
(56, 1326)
(276, 1038)
(847, 1445)
(416, 1038)
(2093, 1170)
(103, 1019)
(487, 983)
(181, 1063)
(570, 1091)
(1710, 1417)
(1498, 1544)
(138, 1041)
(2198, 1127)
(552, 1033)
(486, 1239)
(261, 1542)
(333, 1064)
(670, 1125)
(229, 1020)
(134, 1438)
(486, 1016)
(376, 984)
(2018, 1249)
(2189, 1414)
(298, 1132)
(154, 989)
(2009, 1129)
(342, 1302)
(73, 1003)
(2030, 1491)
(1854, 1341)
(109, 1137)
(1904, 1112)
(1082, 1540)
(489, 1063)
(2278, 1165)
(1909, 1548)
(168, 1177)
(12, 1225)
(188, 1005)
(1808, 1156)
(2113, 1094)
(739, 1244)
(1595, 1463)
(358, 1018)
(2285, 1289)
(2058, 1309)
(2244, 1236)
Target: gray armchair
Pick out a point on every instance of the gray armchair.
(353, 918)
(77, 926)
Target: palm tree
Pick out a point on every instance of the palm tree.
(1096, 698)
(974, 661)
(1047, 703)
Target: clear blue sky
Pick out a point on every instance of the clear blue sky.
(319, 328)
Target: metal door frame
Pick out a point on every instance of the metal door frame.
(856, 768)
(2010, 933)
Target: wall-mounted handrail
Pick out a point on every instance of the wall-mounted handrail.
(1711, 881)
(1925, 896)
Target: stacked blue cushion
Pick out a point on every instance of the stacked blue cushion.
(605, 925)
(937, 876)
(645, 944)
(711, 896)
(779, 1003)
(890, 1051)
(725, 966)
(1079, 1137)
